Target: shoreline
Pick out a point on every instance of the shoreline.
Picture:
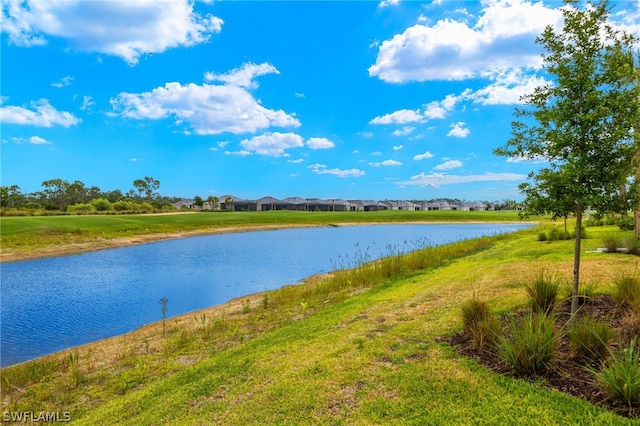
(113, 243)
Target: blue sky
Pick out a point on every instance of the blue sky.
(367, 100)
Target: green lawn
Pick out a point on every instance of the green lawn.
(33, 233)
(356, 349)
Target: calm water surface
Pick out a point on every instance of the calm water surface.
(55, 303)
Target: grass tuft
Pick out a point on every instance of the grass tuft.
(620, 377)
(531, 347)
(589, 339)
(627, 291)
(479, 323)
(543, 292)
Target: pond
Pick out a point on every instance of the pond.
(55, 303)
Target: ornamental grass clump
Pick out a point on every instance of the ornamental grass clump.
(620, 377)
(529, 347)
(589, 339)
(627, 291)
(479, 323)
(543, 292)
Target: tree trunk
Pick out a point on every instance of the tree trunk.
(576, 263)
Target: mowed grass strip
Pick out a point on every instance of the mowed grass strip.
(31, 234)
(372, 357)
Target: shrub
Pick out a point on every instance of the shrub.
(531, 347)
(620, 377)
(632, 244)
(589, 339)
(611, 243)
(81, 208)
(542, 236)
(122, 205)
(145, 207)
(626, 224)
(627, 291)
(543, 292)
(101, 204)
(479, 324)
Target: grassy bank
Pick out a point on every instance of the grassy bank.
(359, 347)
(38, 236)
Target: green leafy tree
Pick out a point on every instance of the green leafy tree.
(55, 193)
(10, 196)
(147, 186)
(583, 122)
(76, 192)
(198, 201)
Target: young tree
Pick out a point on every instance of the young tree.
(583, 122)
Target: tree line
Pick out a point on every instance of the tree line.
(64, 196)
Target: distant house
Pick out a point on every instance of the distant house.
(402, 205)
(186, 204)
(231, 203)
(372, 206)
(235, 204)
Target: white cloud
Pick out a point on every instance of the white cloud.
(300, 95)
(508, 88)
(423, 156)
(219, 145)
(87, 103)
(320, 143)
(406, 130)
(388, 3)
(241, 153)
(63, 82)
(397, 147)
(458, 130)
(272, 144)
(297, 161)
(34, 140)
(127, 29)
(42, 114)
(321, 169)
(449, 165)
(37, 140)
(366, 135)
(207, 109)
(437, 179)
(243, 76)
(501, 39)
(402, 116)
(386, 163)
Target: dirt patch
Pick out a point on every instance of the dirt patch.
(567, 373)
